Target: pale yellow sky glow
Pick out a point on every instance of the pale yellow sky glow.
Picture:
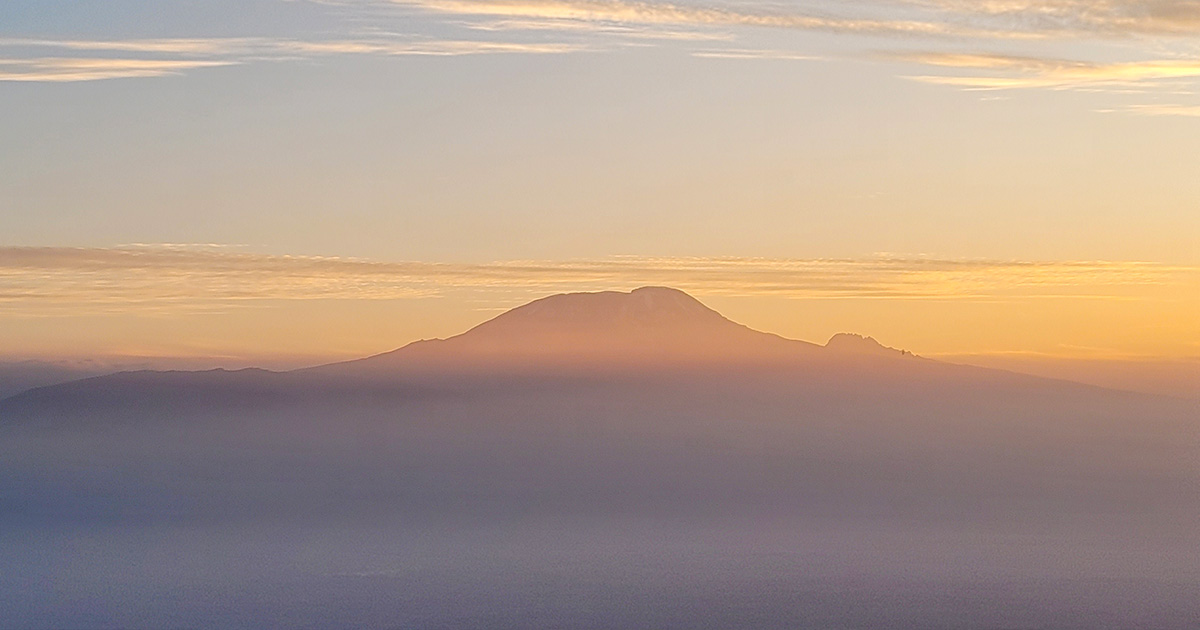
(181, 276)
(370, 172)
(1123, 308)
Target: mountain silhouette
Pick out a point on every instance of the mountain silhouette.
(646, 326)
(595, 430)
(639, 338)
(851, 343)
(651, 331)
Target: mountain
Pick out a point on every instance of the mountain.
(650, 326)
(601, 460)
(648, 333)
(651, 333)
(18, 376)
(851, 343)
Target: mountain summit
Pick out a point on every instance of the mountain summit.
(651, 311)
(646, 325)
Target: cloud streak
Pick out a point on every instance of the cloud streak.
(955, 30)
(635, 32)
(1189, 111)
(1007, 19)
(751, 53)
(948, 23)
(133, 279)
(1112, 18)
(64, 69)
(1014, 72)
(668, 13)
(1036, 25)
(175, 56)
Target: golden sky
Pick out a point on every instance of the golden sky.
(269, 179)
(221, 301)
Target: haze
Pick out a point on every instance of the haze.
(599, 313)
(594, 461)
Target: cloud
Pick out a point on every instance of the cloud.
(725, 15)
(621, 31)
(63, 69)
(713, 29)
(1191, 111)
(1080, 17)
(1033, 24)
(43, 280)
(1015, 72)
(436, 48)
(175, 46)
(174, 56)
(266, 48)
(750, 53)
(1013, 19)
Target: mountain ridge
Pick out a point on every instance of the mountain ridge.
(645, 325)
(646, 332)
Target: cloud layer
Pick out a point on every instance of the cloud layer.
(960, 18)
(1120, 47)
(1081, 17)
(725, 14)
(1141, 31)
(62, 70)
(162, 57)
(1011, 72)
(1141, 54)
(39, 280)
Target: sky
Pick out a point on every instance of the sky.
(290, 181)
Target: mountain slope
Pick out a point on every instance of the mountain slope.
(646, 326)
(682, 459)
(648, 333)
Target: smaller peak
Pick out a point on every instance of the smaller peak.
(852, 343)
(852, 340)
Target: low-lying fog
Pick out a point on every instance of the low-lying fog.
(705, 500)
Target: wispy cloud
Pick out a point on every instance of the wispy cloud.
(1191, 111)
(436, 48)
(174, 56)
(612, 29)
(718, 14)
(173, 46)
(1008, 19)
(751, 53)
(65, 69)
(1140, 24)
(1080, 17)
(136, 278)
(1123, 45)
(1015, 72)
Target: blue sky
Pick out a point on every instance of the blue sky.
(296, 126)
